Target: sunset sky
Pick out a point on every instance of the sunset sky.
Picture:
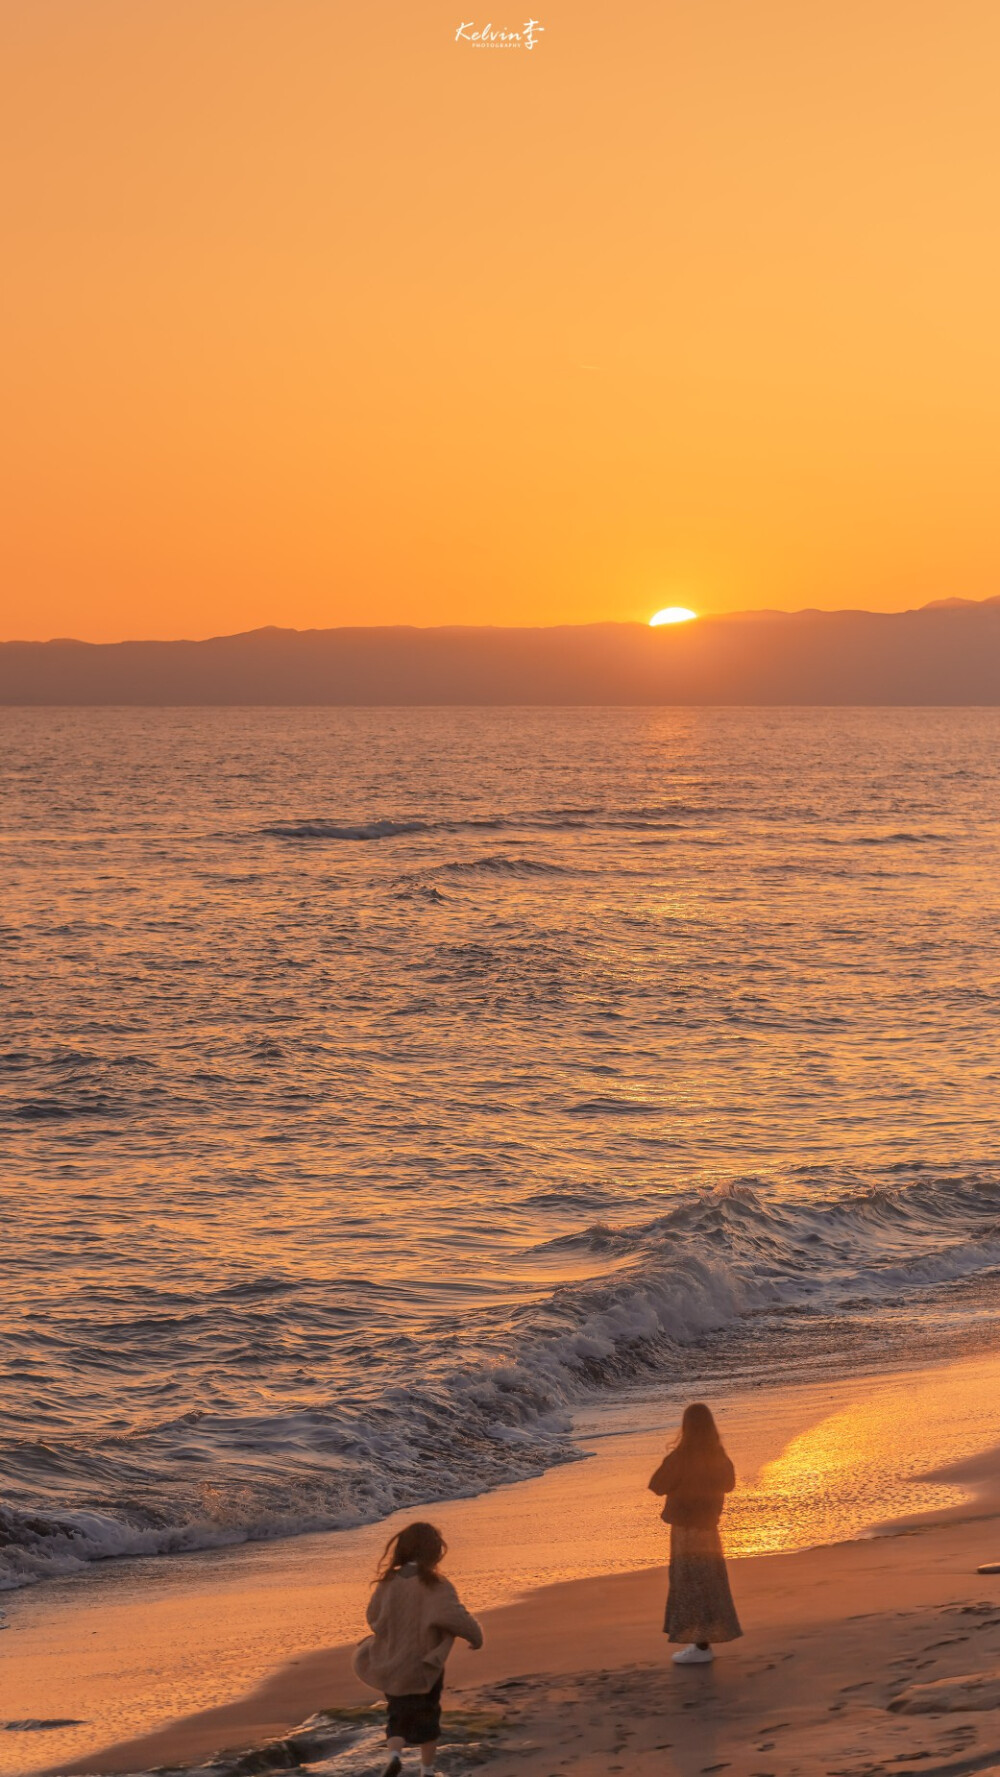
(313, 315)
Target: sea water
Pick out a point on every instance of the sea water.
(378, 1087)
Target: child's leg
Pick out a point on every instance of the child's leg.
(428, 1754)
(394, 1746)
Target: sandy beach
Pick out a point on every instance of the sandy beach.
(576, 1676)
(219, 1655)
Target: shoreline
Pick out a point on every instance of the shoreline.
(612, 1625)
(203, 1652)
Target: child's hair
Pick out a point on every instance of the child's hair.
(421, 1543)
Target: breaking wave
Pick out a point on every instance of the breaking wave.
(488, 1399)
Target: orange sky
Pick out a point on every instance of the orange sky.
(312, 315)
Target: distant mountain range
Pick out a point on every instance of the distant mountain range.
(946, 653)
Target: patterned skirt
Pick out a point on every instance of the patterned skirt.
(699, 1603)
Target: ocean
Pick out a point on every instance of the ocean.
(380, 1087)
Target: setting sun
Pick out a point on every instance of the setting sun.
(672, 614)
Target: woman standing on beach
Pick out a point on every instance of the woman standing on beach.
(695, 1475)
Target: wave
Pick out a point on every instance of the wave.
(615, 1107)
(320, 829)
(493, 1399)
(499, 865)
(900, 838)
(423, 885)
(667, 818)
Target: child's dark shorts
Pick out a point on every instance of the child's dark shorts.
(417, 1718)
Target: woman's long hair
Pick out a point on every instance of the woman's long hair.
(699, 1445)
(422, 1544)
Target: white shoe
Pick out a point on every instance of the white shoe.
(694, 1656)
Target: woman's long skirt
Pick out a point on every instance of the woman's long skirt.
(699, 1603)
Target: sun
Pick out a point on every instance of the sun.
(672, 614)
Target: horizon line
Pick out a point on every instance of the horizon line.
(701, 617)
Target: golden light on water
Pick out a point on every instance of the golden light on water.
(672, 614)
